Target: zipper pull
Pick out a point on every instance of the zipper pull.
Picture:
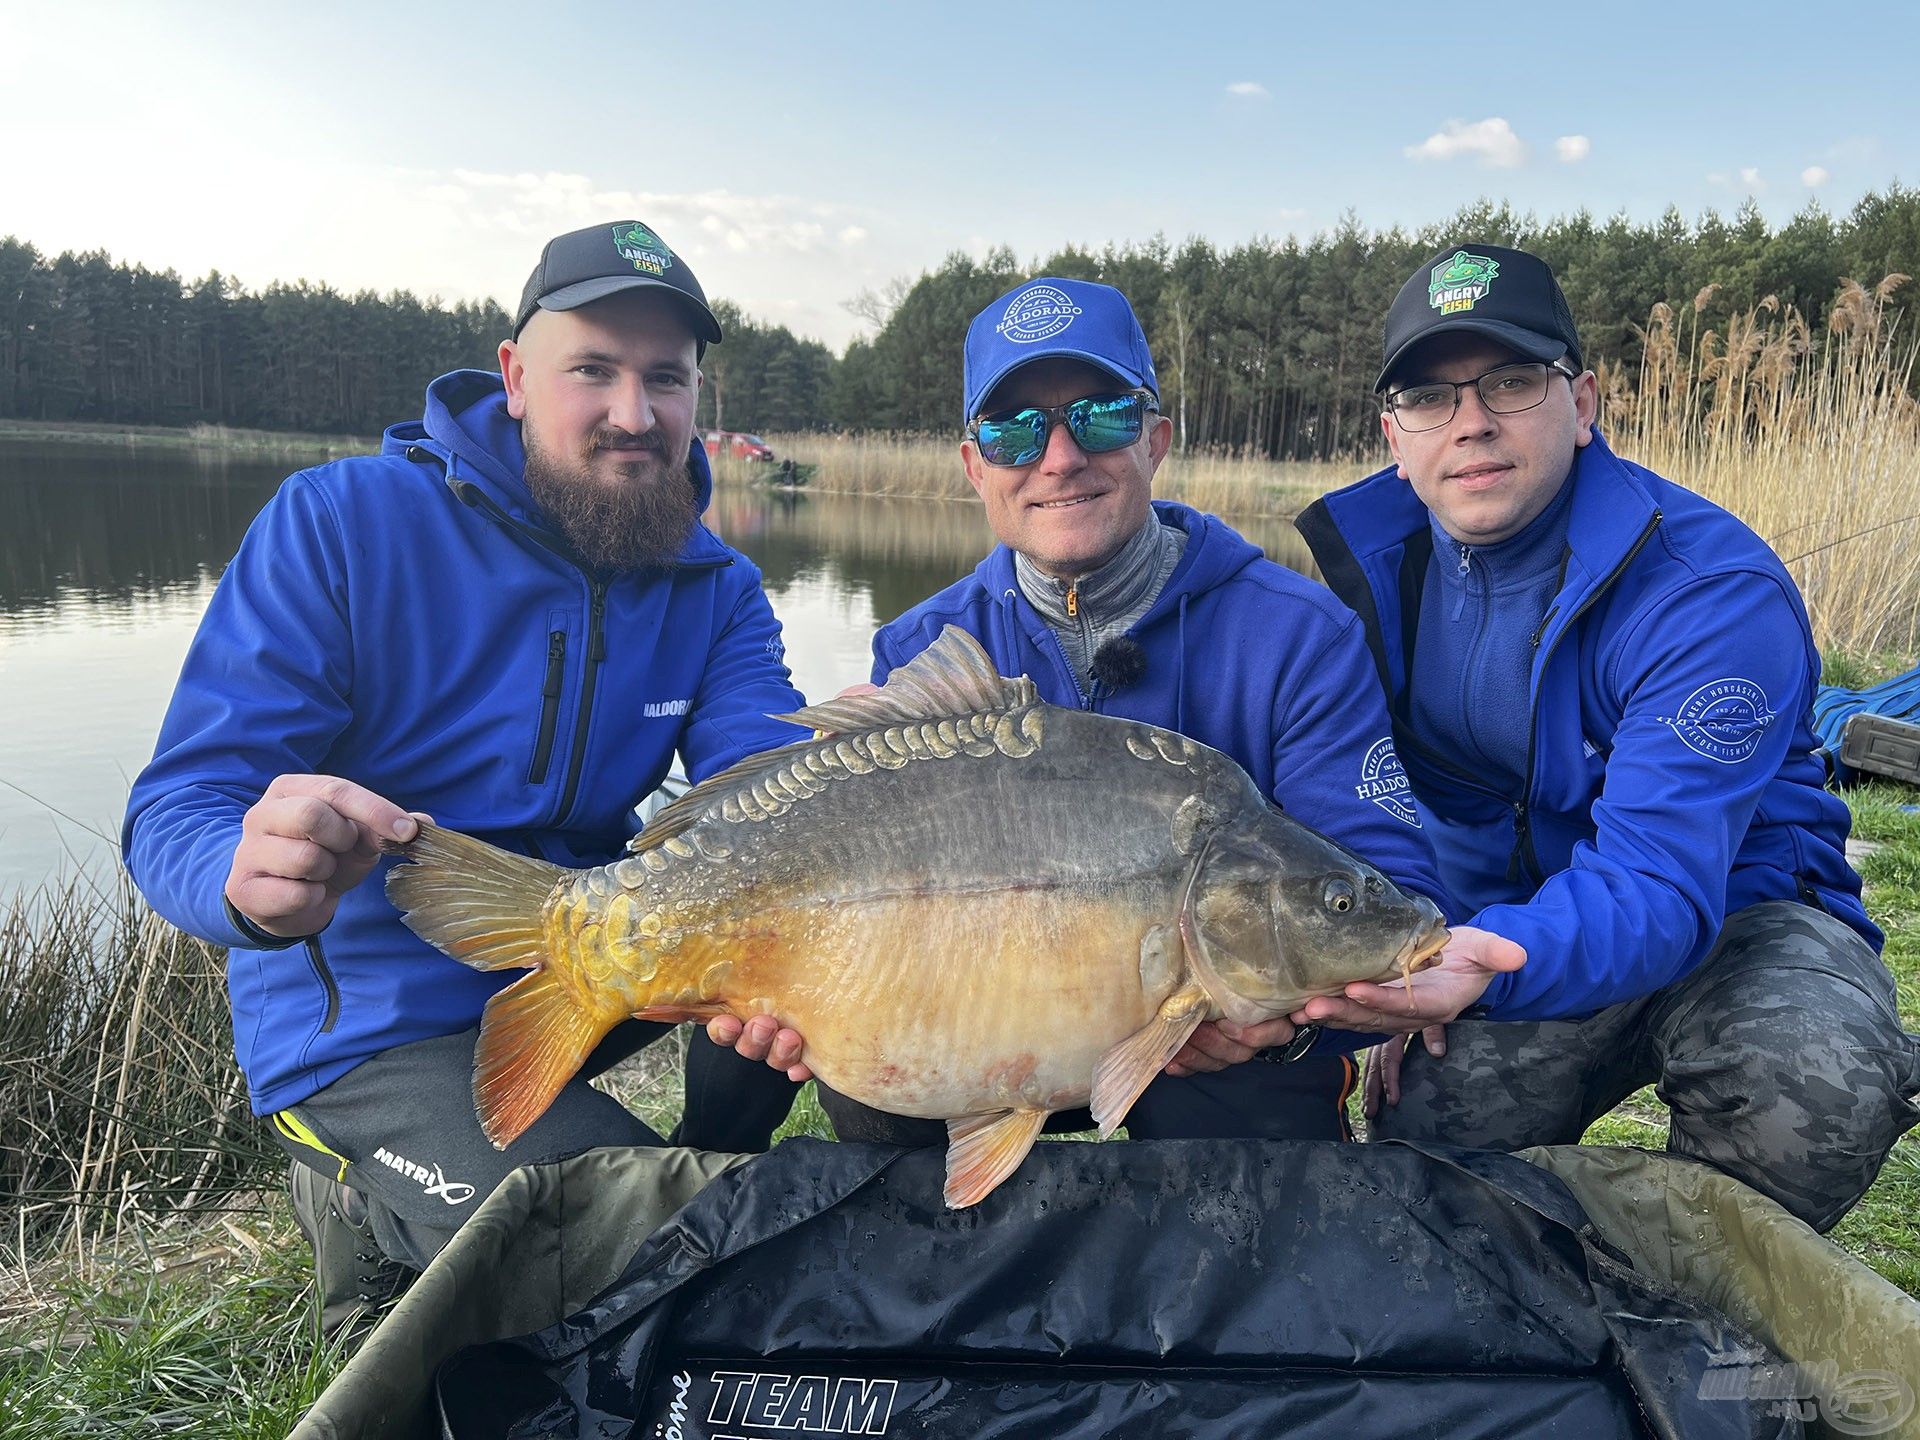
(597, 630)
(1073, 597)
(1466, 564)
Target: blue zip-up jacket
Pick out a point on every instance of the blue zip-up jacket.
(1671, 778)
(1242, 655)
(406, 621)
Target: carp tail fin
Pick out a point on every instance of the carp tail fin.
(480, 904)
(487, 907)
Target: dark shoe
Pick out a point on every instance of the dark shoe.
(353, 1276)
(1876, 745)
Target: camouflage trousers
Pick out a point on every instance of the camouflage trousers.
(1781, 1060)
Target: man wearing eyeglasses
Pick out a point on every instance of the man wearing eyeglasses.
(1114, 602)
(1600, 686)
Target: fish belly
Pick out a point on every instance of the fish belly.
(942, 1005)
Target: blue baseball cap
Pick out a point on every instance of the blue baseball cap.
(1043, 318)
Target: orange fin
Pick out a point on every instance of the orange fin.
(533, 1038)
(702, 1010)
(481, 905)
(1129, 1066)
(982, 1150)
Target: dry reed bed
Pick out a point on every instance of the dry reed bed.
(121, 1106)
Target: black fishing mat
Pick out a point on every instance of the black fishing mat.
(1169, 1288)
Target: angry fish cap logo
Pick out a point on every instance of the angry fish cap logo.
(1462, 282)
(647, 251)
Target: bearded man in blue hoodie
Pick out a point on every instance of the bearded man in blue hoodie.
(1114, 602)
(1601, 687)
(510, 619)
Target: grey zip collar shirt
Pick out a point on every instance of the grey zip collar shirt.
(1091, 609)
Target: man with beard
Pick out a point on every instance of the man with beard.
(510, 619)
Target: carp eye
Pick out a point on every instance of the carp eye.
(1338, 896)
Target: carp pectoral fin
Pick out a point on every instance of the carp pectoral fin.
(982, 1150)
(533, 1038)
(1129, 1066)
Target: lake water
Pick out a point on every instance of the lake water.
(108, 556)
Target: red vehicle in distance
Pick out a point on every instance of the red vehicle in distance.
(736, 445)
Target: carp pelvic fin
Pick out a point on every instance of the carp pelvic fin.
(533, 1038)
(952, 676)
(479, 904)
(1129, 1066)
(982, 1150)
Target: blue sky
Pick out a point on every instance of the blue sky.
(798, 154)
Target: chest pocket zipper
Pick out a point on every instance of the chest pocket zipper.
(549, 707)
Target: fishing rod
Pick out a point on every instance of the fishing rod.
(1883, 525)
(49, 805)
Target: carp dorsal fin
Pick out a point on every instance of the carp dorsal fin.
(952, 676)
(682, 813)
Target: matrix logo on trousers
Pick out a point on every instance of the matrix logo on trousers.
(430, 1178)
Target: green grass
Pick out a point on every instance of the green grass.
(228, 1350)
(229, 1344)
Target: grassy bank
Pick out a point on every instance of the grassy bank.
(206, 439)
(153, 1280)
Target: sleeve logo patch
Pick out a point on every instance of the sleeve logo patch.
(1724, 719)
(1383, 780)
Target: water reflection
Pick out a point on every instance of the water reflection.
(108, 556)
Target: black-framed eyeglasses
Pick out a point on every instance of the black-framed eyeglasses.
(1098, 423)
(1507, 390)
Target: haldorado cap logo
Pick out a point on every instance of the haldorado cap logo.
(647, 251)
(1458, 284)
(1038, 312)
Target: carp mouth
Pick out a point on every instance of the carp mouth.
(1422, 949)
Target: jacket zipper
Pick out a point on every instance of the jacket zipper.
(549, 706)
(596, 653)
(324, 972)
(1524, 860)
(471, 494)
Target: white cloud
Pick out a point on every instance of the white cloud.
(1491, 141)
(1249, 89)
(1750, 177)
(1572, 149)
(1814, 176)
(853, 234)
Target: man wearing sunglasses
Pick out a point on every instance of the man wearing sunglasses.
(1117, 603)
(1600, 685)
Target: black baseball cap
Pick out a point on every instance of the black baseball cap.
(587, 265)
(1506, 295)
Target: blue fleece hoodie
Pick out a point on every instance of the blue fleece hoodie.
(1242, 655)
(405, 620)
(1671, 777)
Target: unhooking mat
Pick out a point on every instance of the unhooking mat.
(1141, 1288)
